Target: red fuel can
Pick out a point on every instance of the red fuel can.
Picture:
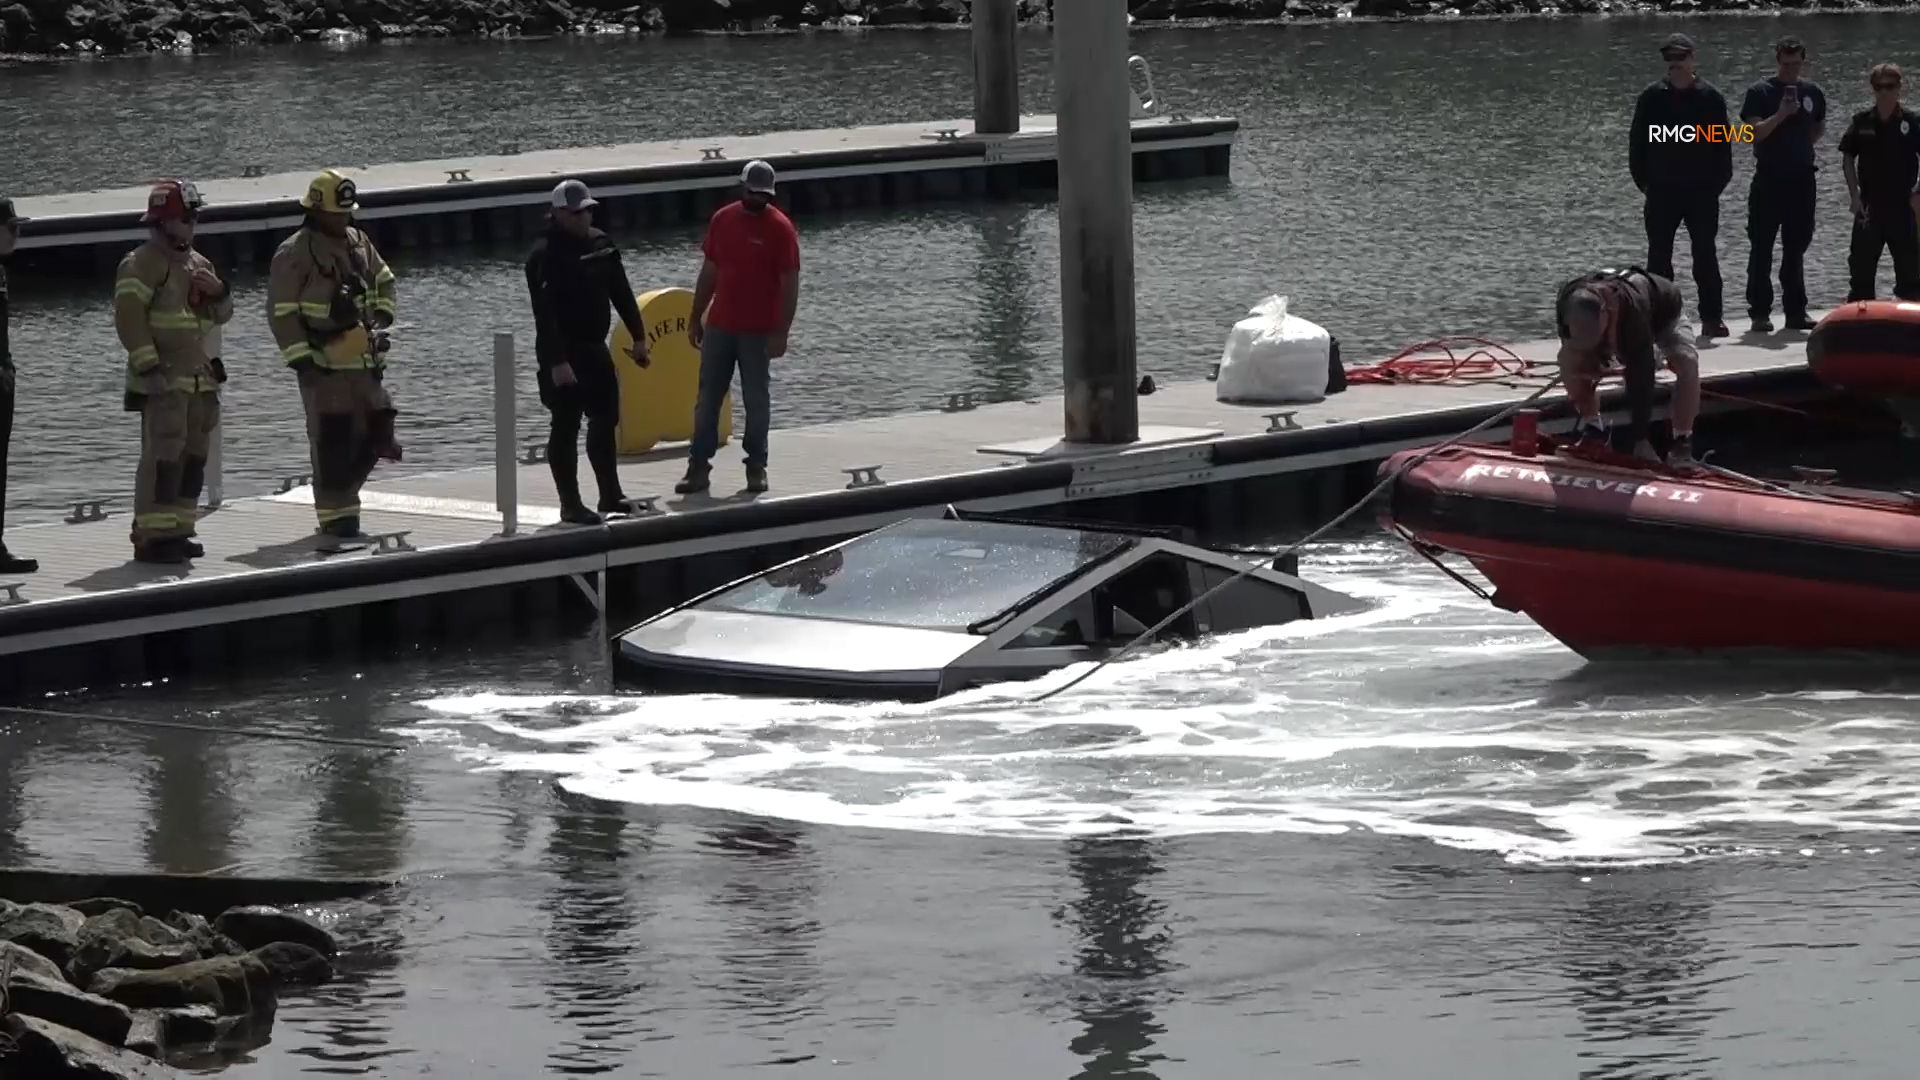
(1526, 432)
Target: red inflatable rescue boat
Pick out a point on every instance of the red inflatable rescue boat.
(1868, 347)
(1615, 557)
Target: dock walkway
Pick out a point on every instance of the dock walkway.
(503, 195)
(261, 555)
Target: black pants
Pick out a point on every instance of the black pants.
(1779, 204)
(1890, 226)
(1699, 210)
(594, 397)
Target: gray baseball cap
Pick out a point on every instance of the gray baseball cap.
(573, 195)
(758, 177)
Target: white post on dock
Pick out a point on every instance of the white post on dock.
(996, 67)
(506, 467)
(1093, 99)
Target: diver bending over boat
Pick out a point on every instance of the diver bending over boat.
(1626, 317)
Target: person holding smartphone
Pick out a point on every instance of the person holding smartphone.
(1789, 116)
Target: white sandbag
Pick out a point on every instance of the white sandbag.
(1273, 358)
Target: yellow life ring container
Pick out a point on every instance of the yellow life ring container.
(656, 402)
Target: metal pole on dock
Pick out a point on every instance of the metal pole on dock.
(506, 467)
(996, 67)
(1092, 96)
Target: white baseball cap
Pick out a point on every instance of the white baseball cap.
(573, 195)
(758, 177)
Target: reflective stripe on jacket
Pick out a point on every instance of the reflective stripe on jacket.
(308, 271)
(160, 325)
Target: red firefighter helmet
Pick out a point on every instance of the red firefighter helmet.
(172, 200)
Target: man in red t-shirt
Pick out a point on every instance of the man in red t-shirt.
(743, 307)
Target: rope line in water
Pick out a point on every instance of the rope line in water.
(1385, 482)
(208, 729)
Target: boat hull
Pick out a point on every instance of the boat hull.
(1617, 561)
(1869, 347)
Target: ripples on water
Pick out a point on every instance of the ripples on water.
(1430, 715)
(1421, 841)
(1348, 843)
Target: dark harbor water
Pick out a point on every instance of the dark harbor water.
(1422, 842)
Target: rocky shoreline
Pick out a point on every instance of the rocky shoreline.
(101, 989)
(65, 28)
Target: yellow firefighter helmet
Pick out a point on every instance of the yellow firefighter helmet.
(332, 193)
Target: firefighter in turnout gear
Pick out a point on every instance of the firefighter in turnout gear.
(166, 297)
(331, 299)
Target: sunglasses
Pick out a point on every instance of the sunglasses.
(1675, 57)
(1894, 85)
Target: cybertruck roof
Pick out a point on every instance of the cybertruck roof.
(926, 607)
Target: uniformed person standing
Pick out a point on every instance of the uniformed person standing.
(166, 297)
(9, 235)
(1880, 157)
(1683, 181)
(331, 299)
(1789, 116)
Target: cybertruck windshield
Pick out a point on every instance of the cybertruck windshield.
(929, 575)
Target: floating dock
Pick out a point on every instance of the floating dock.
(476, 551)
(503, 197)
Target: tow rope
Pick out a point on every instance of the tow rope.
(1385, 482)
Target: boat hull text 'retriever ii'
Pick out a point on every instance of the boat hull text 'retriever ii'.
(1616, 559)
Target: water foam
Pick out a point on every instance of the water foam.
(1426, 716)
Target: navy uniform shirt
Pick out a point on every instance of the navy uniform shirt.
(1790, 147)
(1889, 154)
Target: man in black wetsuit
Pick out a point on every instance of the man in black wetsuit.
(574, 275)
(1638, 320)
(9, 233)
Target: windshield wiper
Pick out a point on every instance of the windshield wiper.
(992, 622)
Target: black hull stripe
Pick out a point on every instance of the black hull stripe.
(1417, 507)
(668, 678)
(1864, 336)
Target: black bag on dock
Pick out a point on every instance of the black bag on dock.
(1336, 373)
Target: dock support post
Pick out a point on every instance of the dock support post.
(1092, 97)
(506, 466)
(996, 67)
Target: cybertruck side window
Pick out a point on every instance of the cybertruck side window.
(1120, 609)
(924, 574)
(1247, 603)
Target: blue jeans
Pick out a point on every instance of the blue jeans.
(720, 353)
